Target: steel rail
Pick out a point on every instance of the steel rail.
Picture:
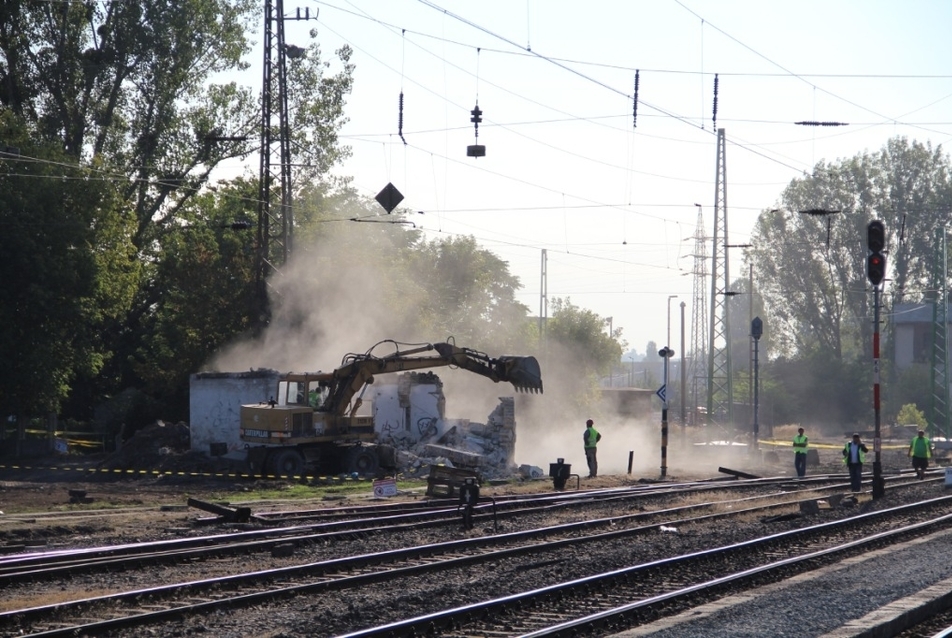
(47, 565)
(457, 621)
(349, 564)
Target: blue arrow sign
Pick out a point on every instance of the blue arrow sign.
(663, 393)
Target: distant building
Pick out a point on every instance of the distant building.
(912, 333)
(634, 403)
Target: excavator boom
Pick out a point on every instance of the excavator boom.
(345, 382)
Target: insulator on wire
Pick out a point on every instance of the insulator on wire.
(477, 149)
(634, 108)
(400, 120)
(714, 119)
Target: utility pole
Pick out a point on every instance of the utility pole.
(939, 421)
(544, 305)
(720, 389)
(876, 273)
(699, 340)
(275, 223)
(683, 378)
(666, 353)
(753, 346)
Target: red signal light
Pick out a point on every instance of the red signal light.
(876, 268)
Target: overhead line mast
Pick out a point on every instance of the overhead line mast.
(720, 393)
(275, 223)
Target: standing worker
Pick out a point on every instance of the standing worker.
(919, 450)
(591, 439)
(854, 455)
(800, 453)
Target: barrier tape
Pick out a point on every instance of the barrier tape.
(181, 473)
(826, 446)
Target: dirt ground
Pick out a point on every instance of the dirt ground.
(111, 482)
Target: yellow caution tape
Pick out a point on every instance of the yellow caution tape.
(825, 446)
(230, 475)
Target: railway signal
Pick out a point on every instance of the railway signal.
(876, 260)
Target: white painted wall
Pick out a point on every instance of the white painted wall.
(215, 400)
(391, 418)
(904, 351)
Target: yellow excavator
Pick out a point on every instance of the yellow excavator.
(311, 422)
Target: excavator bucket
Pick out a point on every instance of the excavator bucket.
(523, 373)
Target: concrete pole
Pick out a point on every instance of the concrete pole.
(683, 379)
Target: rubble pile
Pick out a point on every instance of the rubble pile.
(488, 448)
(160, 446)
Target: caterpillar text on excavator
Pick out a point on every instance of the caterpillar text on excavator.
(311, 422)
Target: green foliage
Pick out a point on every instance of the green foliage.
(129, 276)
(578, 344)
(581, 334)
(124, 93)
(909, 414)
(68, 267)
(193, 316)
(817, 389)
(811, 268)
(911, 385)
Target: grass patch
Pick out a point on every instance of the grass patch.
(298, 491)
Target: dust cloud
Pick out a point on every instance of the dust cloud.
(331, 300)
(319, 315)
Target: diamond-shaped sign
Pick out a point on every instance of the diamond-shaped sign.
(389, 197)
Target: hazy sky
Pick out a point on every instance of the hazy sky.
(567, 170)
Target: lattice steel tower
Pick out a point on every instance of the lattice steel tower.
(720, 393)
(275, 223)
(939, 377)
(697, 370)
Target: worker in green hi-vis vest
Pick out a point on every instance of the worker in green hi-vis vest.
(800, 453)
(591, 439)
(920, 449)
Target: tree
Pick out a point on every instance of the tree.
(579, 347)
(811, 268)
(68, 267)
(127, 89)
(909, 414)
(191, 316)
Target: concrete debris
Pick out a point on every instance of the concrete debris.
(488, 448)
(531, 471)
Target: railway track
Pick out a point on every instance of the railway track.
(624, 598)
(524, 549)
(349, 523)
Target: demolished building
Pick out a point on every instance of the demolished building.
(408, 410)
